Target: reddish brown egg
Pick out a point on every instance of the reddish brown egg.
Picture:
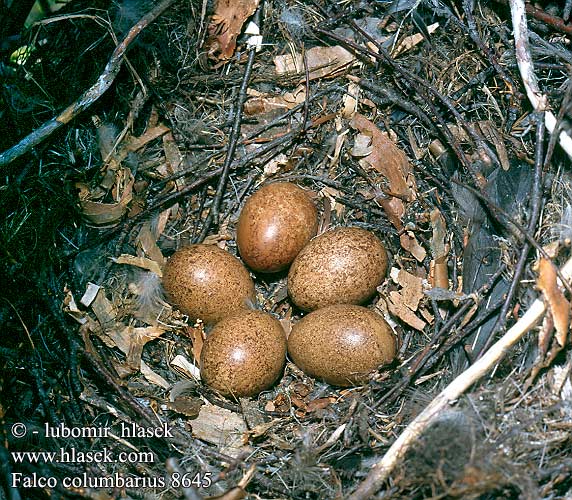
(244, 354)
(341, 344)
(274, 225)
(207, 282)
(341, 266)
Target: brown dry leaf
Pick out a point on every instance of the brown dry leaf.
(350, 100)
(127, 339)
(197, 335)
(409, 242)
(439, 250)
(104, 214)
(492, 134)
(320, 403)
(147, 240)
(330, 194)
(173, 154)
(136, 338)
(276, 164)
(220, 427)
(104, 310)
(412, 287)
(182, 365)
(142, 262)
(411, 41)
(397, 307)
(556, 302)
(113, 334)
(322, 62)
(186, 405)
(225, 26)
(70, 307)
(387, 159)
(136, 143)
(261, 103)
(262, 429)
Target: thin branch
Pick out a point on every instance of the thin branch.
(526, 68)
(536, 203)
(90, 95)
(381, 470)
(213, 215)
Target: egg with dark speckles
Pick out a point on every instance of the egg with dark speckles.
(274, 225)
(207, 282)
(341, 344)
(244, 354)
(341, 266)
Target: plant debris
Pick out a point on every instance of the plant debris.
(132, 129)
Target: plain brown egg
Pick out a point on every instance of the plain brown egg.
(244, 354)
(274, 225)
(341, 344)
(341, 266)
(207, 282)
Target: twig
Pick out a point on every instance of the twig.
(213, 215)
(552, 21)
(536, 202)
(382, 469)
(90, 95)
(526, 68)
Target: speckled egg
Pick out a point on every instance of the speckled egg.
(244, 354)
(274, 225)
(207, 282)
(341, 266)
(341, 344)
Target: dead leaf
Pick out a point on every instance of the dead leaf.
(225, 26)
(350, 100)
(148, 243)
(319, 404)
(260, 103)
(184, 366)
(556, 302)
(411, 41)
(387, 159)
(70, 307)
(397, 307)
(197, 335)
(409, 242)
(104, 310)
(89, 295)
(137, 337)
(439, 250)
(493, 135)
(321, 61)
(142, 262)
(186, 405)
(115, 334)
(411, 287)
(105, 214)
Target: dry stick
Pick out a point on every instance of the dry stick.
(415, 82)
(471, 28)
(526, 68)
(382, 469)
(213, 215)
(90, 95)
(536, 202)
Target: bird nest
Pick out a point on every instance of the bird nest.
(142, 127)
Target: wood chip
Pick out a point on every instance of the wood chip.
(221, 427)
(322, 62)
